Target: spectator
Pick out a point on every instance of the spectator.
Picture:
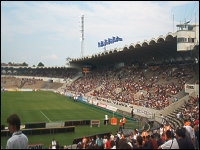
(159, 141)
(196, 131)
(132, 113)
(145, 133)
(120, 124)
(57, 145)
(163, 119)
(178, 115)
(99, 141)
(122, 135)
(162, 129)
(171, 143)
(189, 131)
(105, 140)
(131, 138)
(108, 145)
(148, 143)
(163, 138)
(113, 144)
(112, 137)
(135, 134)
(167, 127)
(124, 121)
(125, 146)
(84, 142)
(139, 143)
(18, 139)
(154, 142)
(183, 142)
(53, 143)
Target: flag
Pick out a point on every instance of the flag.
(102, 43)
(114, 39)
(110, 41)
(99, 44)
(105, 42)
(118, 39)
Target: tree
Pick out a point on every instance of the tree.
(24, 64)
(40, 64)
(33, 65)
(10, 64)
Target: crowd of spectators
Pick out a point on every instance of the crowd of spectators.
(184, 137)
(120, 85)
(190, 112)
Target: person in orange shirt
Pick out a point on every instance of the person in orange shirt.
(84, 141)
(145, 133)
(120, 124)
(122, 136)
(167, 127)
(124, 122)
(187, 123)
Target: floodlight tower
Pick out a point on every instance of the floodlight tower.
(82, 34)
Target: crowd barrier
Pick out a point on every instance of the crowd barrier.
(35, 125)
(41, 131)
(2, 127)
(77, 122)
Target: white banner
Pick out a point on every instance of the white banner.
(111, 108)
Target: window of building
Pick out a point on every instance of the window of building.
(191, 40)
(179, 40)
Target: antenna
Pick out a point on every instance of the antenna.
(173, 23)
(82, 35)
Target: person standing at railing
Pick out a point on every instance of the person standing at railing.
(120, 124)
(124, 122)
(132, 113)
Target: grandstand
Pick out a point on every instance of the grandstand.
(153, 77)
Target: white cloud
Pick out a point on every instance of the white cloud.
(53, 56)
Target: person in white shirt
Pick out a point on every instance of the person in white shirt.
(135, 134)
(53, 144)
(178, 114)
(112, 137)
(171, 142)
(18, 139)
(162, 129)
(105, 140)
(190, 132)
(106, 119)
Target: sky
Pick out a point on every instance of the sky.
(49, 31)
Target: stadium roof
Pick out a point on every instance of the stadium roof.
(164, 47)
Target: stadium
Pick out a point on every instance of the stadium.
(157, 79)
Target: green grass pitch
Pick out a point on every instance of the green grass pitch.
(48, 107)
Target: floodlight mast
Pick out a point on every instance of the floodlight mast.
(82, 35)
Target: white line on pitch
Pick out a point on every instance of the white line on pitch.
(45, 116)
